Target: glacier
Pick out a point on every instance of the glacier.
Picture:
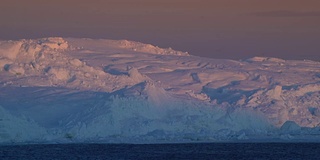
(75, 90)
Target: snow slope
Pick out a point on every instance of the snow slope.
(84, 90)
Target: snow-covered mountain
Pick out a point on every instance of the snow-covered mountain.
(84, 90)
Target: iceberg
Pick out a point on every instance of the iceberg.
(70, 90)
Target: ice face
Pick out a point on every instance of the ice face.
(114, 118)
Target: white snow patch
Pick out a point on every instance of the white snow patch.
(10, 49)
(60, 73)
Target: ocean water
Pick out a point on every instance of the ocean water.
(162, 151)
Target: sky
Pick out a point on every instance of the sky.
(233, 29)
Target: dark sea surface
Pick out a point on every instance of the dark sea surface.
(162, 151)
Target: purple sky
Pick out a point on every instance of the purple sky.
(288, 29)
